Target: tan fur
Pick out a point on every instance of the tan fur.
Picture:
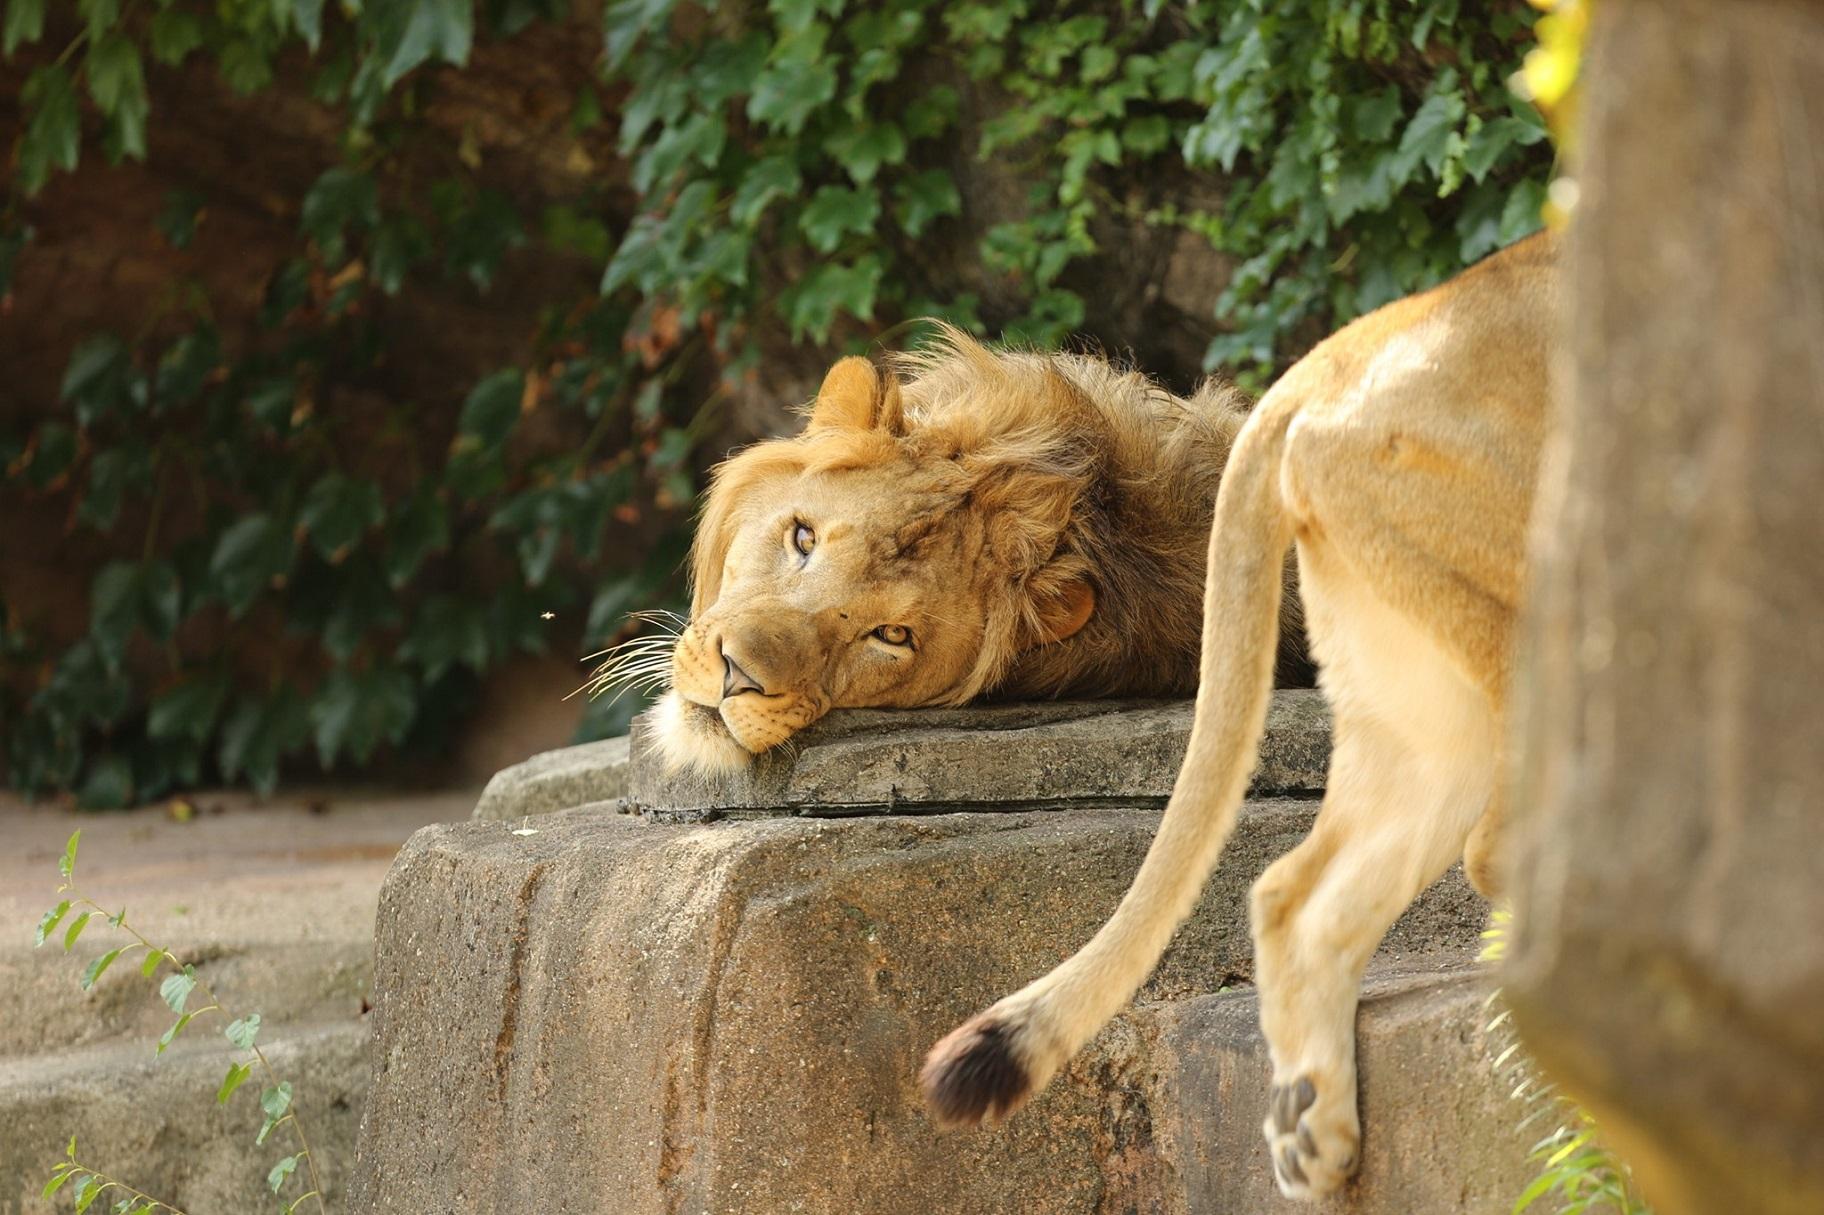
(1400, 457)
(1038, 523)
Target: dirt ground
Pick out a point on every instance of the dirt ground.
(294, 866)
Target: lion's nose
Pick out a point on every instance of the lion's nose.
(736, 681)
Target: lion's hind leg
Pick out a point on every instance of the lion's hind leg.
(1410, 775)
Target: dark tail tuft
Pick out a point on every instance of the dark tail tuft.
(974, 1076)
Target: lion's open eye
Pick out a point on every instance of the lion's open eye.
(894, 634)
(803, 539)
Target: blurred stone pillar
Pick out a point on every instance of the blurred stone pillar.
(1669, 885)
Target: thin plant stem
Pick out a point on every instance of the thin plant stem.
(73, 1165)
(215, 1005)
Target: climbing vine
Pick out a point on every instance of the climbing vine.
(304, 568)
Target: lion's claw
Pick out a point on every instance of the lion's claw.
(1313, 1147)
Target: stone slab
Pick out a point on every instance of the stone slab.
(1015, 756)
(558, 780)
(154, 1123)
(1441, 1133)
(617, 1014)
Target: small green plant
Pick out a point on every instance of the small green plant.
(72, 914)
(1575, 1168)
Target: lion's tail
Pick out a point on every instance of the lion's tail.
(986, 1068)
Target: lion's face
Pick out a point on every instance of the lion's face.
(860, 566)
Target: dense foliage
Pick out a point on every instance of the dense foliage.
(790, 164)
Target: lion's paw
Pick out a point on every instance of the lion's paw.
(1313, 1136)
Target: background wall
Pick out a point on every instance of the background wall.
(341, 349)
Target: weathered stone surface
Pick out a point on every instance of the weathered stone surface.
(624, 1015)
(859, 761)
(154, 1122)
(558, 780)
(1440, 1132)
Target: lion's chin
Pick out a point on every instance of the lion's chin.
(693, 737)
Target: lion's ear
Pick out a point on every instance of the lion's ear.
(857, 397)
(1064, 612)
(889, 413)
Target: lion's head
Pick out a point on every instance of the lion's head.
(995, 521)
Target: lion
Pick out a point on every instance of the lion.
(1399, 458)
(970, 523)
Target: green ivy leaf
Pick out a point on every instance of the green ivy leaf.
(1427, 138)
(66, 864)
(276, 1101)
(627, 21)
(863, 149)
(188, 710)
(57, 1183)
(86, 1192)
(281, 1172)
(272, 402)
(53, 135)
(1147, 135)
(74, 930)
(768, 179)
(24, 23)
(170, 1035)
(244, 66)
(420, 527)
(99, 15)
(922, 199)
(1492, 141)
(932, 113)
(1373, 115)
(813, 305)
(1524, 213)
(49, 923)
(357, 712)
(237, 1076)
(187, 363)
(99, 967)
(175, 33)
(789, 92)
(114, 74)
(341, 198)
(249, 557)
(175, 990)
(99, 379)
(700, 138)
(114, 608)
(258, 734)
(836, 211)
(447, 632)
(161, 599)
(400, 243)
(479, 236)
(444, 28)
(149, 967)
(308, 14)
(491, 409)
(244, 1030)
(337, 511)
